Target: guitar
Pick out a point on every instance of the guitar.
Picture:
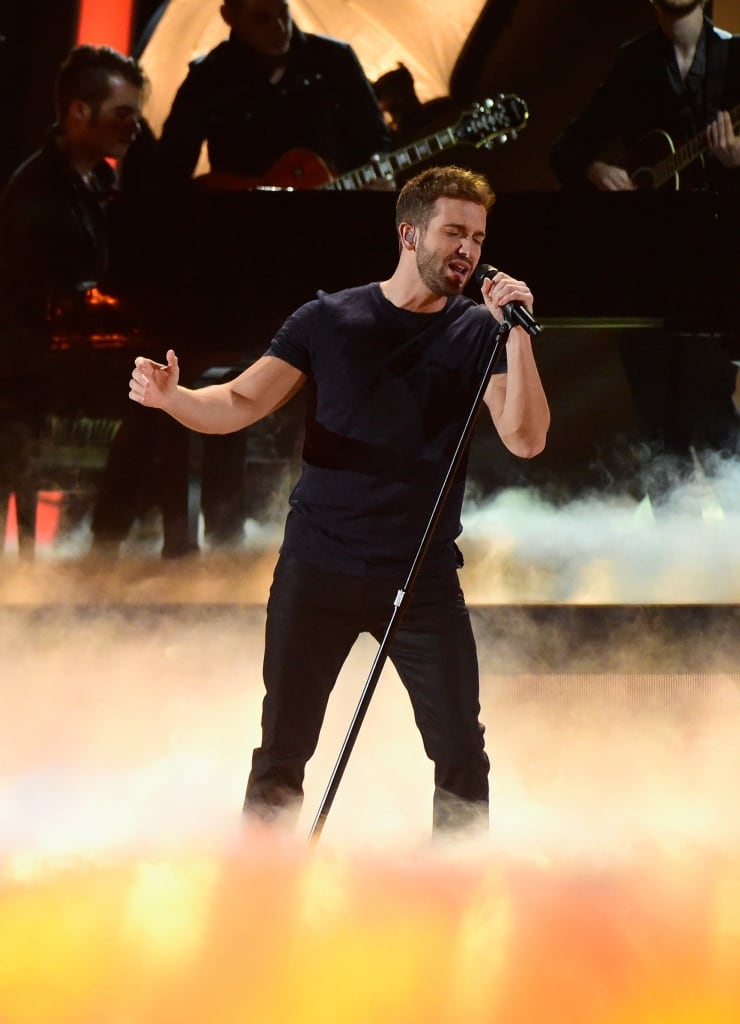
(655, 161)
(484, 124)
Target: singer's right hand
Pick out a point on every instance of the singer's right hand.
(152, 384)
(500, 290)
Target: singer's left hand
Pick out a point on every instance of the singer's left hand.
(498, 291)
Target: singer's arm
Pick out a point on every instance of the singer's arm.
(516, 399)
(221, 408)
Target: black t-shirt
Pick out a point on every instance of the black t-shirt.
(389, 392)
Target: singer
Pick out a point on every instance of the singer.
(391, 370)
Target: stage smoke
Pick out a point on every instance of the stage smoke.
(607, 888)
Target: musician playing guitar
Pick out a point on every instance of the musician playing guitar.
(670, 102)
(266, 90)
(683, 79)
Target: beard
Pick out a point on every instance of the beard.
(678, 7)
(433, 272)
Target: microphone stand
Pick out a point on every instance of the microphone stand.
(382, 654)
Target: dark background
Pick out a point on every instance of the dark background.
(193, 282)
(550, 52)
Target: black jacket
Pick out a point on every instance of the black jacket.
(52, 236)
(323, 103)
(638, 97)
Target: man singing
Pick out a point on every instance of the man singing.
(391, 370)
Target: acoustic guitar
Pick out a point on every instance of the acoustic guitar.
(487, 123)
(655, 162)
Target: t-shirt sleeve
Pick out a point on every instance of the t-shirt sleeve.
(292, 343)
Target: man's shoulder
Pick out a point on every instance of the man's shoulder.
(208, 64)
(324, 43)
(340, 309)
(643, 46)
(370, 295)
(321, 48)
(41, 172)
(337, 305)
(228, 58)
(732, 42)
(357, 293)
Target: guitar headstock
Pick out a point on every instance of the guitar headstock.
(492, 120)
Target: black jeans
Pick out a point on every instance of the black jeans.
(313, 619)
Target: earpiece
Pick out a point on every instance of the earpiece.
(410, 236)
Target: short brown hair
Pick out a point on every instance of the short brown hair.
(86, 72)
(416, 200)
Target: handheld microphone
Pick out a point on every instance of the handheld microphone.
(515, 312)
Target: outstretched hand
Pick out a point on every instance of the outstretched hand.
(153, 384)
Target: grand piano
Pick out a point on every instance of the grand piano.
(226, 268)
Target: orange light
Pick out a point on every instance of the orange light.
(105, 23)
(94, 297)
(265, 935)
(48, 516)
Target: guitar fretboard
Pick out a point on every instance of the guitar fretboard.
(386, 166)
(670, 165)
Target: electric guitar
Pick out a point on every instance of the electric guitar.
(655, 161)
(486, 123)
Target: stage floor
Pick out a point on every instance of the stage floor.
(607, 890)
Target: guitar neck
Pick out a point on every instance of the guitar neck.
(387, 165)
(675, 162)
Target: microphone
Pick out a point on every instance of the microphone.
(515, 312)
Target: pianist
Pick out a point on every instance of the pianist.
(53, 244)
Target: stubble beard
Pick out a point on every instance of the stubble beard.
(433, 272)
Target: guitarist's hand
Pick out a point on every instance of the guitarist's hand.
(609, 177)
(723, 141)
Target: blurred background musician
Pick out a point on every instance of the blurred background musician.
(54, 250)
(672, 92)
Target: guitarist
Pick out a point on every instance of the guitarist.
(682, 77)
(268, 89)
